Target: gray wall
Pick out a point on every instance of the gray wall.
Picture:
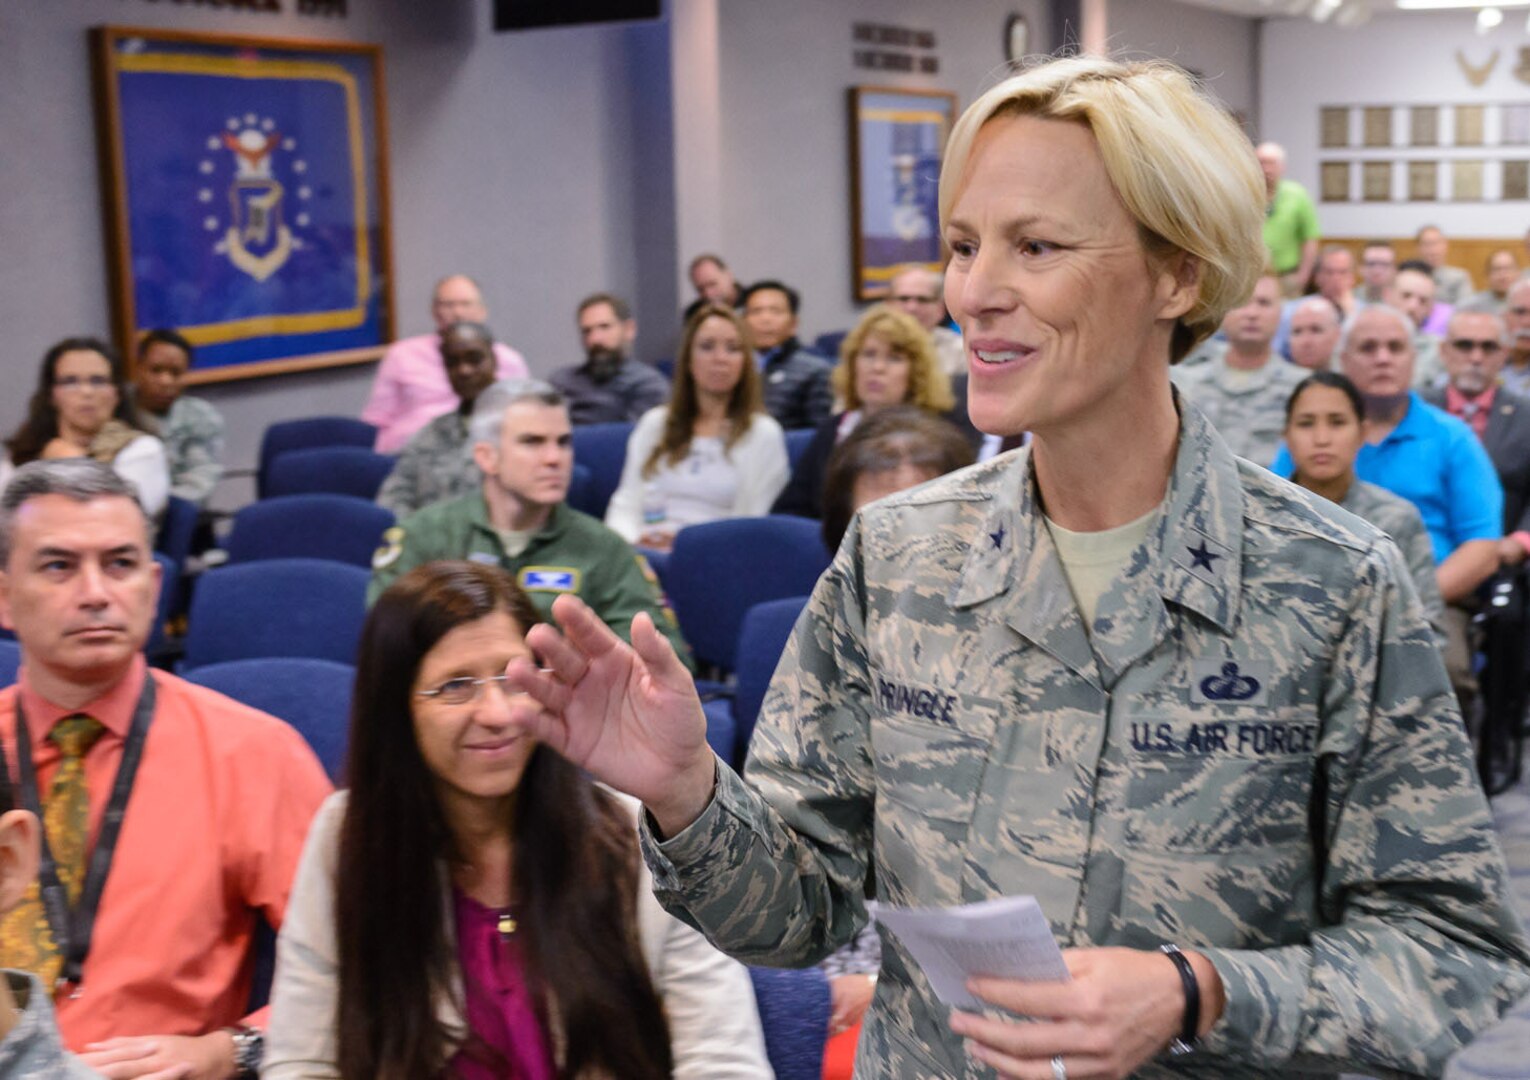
(547, 164)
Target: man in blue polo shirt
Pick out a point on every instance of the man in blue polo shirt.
(1431, 459)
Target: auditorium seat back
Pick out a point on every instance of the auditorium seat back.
(276, 607)
(307, 433)
(341, 528)
(312, 695)
(328, 470)
(601, 448)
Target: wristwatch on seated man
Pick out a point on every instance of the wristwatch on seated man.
(249, 1047)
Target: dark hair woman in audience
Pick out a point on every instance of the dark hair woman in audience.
(1324, 433)
(887, 360)
(712, 452)
(886, 453)
(80, 408)
(475, 906)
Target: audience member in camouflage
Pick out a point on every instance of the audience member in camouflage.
(1248, 749)
(1243, 390)
(437, 462)
(190, 428)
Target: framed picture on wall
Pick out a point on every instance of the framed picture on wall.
(1376, 181)
(1425, 127)
(1378, 125)
(1469, 125)
(247, 197)
(1334, 123)
(897, 138)
(1466, 181)
(1515, 125)
(1423, 181)
(1516, 180)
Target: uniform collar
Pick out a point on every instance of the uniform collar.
(114, 709)
(1239, 381)
(1192, 558)
(552, 528)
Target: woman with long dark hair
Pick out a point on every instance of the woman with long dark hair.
(712, 451)
(475, 906)
(80, 408)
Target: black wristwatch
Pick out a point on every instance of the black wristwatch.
(249, 1048)
(1187, 1039)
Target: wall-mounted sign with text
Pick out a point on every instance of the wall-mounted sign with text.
(894, 48)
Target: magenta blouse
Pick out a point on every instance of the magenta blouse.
(500, 1012)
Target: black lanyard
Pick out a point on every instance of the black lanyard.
(72, 928)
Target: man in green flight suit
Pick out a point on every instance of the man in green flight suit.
(522, 443)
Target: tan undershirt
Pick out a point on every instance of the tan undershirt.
(1092, 561)
(515, 542)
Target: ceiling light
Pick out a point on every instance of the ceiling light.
(1323, 9)
(1488, 18)
(1442, 5)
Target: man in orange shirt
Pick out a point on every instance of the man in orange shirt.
(173, 818)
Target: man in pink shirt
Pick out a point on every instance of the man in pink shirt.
(412, 388)
(172, 817)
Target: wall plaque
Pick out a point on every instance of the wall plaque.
(1469, 125)
(1425, 127)
(1376, 180)
(1335, 177)
(1466, 181)
(1516, 180)
(1423, 181)
(1378, 125)
(1335, 125)
(1514, 125)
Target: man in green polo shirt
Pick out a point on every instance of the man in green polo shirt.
(522, 443)
(1290, 222)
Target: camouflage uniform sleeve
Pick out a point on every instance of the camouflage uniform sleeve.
(1414, 947)
(400, 492)
(198, 456)
(775, 872)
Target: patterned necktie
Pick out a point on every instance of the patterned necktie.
(26, 940)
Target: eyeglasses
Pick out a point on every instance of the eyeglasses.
(82, 382)
(1377, 262)
(462, 690)
(915, 299)
(1466, 345)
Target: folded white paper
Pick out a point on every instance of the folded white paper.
(1007, 938)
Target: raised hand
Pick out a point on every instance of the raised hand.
(628, 714)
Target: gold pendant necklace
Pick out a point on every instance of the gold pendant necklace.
(506, 923)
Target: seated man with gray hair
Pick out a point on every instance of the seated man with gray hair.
(522, 445)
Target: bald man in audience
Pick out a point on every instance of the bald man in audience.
(1244, 391)
(917, 290)
(1516, 316)
(1315, 327)
(1378, 269)
(411, 388)
(1454, 284)
(714, 284)
(1414, 294)
(1335, 280)
(1502, 273)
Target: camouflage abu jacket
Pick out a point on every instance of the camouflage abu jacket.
(1255, 753)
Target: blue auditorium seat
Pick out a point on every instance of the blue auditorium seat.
(277, 607)
(341, 528)
(328, 470)
(601, 448)
(312, 695)
(794, 1014)
(308, 433)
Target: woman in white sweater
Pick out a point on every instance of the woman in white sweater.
(712, 452)
(80, 409)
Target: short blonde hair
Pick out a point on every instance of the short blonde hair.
(928, 386)
(1178, 161)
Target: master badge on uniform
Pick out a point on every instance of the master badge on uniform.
(1229, 682)
(392, 547)
(559, 579)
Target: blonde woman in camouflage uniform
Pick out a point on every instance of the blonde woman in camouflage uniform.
(1155, 686)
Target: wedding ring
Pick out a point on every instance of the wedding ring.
(1059, 1070)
